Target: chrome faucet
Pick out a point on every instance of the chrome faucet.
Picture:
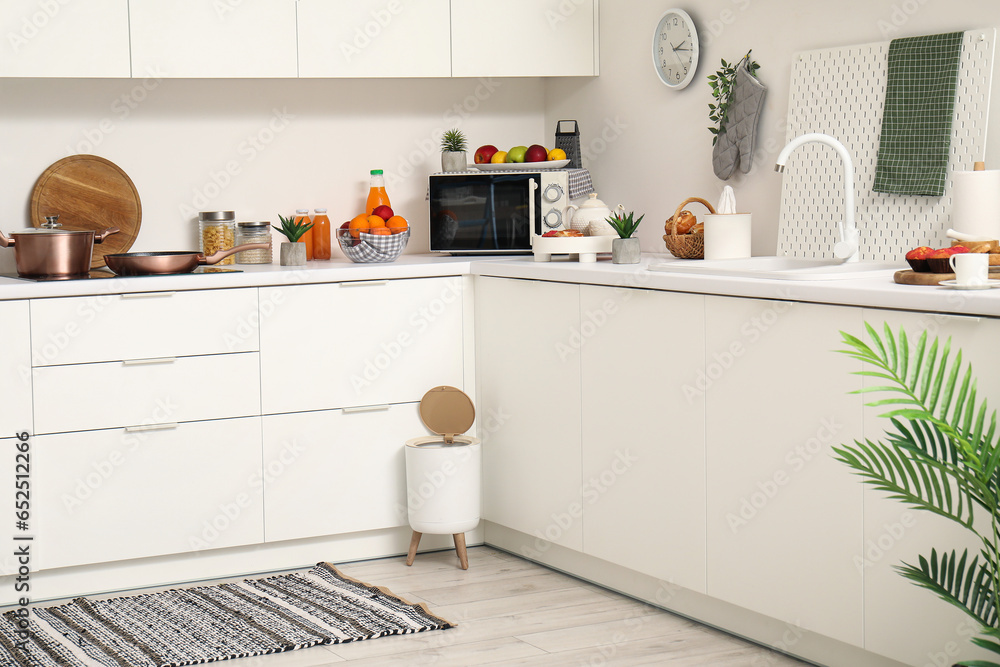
(847, 248)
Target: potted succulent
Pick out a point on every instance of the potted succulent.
(293, 251)
(453, 146)
(625, 249)
(942, 455)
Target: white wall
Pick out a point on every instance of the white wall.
(176, 139)
(656, 148)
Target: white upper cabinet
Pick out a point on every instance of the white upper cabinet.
(524, 38)
(65, 39)
(220, 39)
(374, 38)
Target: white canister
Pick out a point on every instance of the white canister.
(727, 235)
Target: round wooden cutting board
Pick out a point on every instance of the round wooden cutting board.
(89, 192)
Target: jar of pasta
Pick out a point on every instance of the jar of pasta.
(217, 230)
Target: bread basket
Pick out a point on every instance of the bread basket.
(686, 246)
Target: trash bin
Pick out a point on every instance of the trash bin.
(444, 471)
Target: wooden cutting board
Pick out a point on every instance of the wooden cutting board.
(909, 277)
(89, 192)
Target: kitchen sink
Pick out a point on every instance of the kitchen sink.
(779, 268)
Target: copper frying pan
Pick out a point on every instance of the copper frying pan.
(168, 263)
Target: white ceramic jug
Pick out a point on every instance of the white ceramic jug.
(589, 217)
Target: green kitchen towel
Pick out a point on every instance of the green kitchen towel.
(919, 106)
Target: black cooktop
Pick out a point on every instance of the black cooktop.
(106, 273)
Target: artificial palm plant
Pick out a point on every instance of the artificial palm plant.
(942, 456)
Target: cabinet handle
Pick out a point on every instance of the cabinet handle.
(146, 295)
(149, 362)
(365, 283)
(151, 427)
(365, 408)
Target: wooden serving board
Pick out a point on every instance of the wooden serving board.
(910, 277)
(89, 192)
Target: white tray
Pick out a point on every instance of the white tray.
(585, 247)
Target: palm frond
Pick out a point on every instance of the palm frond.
(966, 585)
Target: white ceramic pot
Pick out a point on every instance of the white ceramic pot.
(589, 217)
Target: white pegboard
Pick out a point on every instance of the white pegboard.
(841, 92)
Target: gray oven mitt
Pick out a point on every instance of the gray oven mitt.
(736, 142)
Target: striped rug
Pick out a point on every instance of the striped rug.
(192, 626)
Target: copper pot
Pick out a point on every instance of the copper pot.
(52, 251)
(170, 262)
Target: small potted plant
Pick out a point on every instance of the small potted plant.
(293, 251)
(453, 146)
(625, 249)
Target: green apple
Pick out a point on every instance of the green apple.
(516, 154)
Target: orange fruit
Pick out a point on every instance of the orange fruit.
(375, 221)
(382, 231)
(397, 224)
(359, 224)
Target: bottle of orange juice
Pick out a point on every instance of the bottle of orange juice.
(377, 195)
(321, 234)
(302, 215)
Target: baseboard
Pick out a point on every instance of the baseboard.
(764, 630)
(50, 585)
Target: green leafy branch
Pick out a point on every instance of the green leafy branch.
(722, 83)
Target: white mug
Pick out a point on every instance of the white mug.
(971, 268)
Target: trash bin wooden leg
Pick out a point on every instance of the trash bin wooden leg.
(412, 553)
(463, 556)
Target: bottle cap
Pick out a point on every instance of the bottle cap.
(302, 210)
(376, 172)
(321, 210)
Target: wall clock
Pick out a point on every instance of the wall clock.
(675, 49)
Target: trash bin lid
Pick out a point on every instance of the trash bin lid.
(447, 411)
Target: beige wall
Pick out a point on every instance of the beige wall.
(192, 145)
(658, 150)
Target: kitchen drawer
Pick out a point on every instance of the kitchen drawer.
(360, 343)
(336, 471)
(146, 325)
(116, 494)
(148, 391)
(15, 368)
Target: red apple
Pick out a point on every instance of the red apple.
(536, 153)
(383, 212)
(485, 153)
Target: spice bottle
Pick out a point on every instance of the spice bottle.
(321, 235)
(217, 231)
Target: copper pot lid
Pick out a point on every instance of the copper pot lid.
(447, 411)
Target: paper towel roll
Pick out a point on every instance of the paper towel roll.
(976, 203)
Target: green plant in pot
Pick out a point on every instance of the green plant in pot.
(453, 147)
(625, 248)
(942, 455)
(293, 251)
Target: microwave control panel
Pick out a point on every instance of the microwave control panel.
(555, 200)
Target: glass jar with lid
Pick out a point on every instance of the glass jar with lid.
(253, 232)
(217, 231)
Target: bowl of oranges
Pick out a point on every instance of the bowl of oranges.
(379, 237)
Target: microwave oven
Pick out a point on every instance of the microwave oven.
(495, 212)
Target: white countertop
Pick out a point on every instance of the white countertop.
(879, 292)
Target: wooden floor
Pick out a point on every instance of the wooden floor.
(510, 611)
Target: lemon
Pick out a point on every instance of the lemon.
(557, 154)
(499, 156)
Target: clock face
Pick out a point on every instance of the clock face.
(675, 49)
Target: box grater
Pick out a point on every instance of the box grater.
(570, 143)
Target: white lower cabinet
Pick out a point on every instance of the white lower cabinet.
(336, 471)
(901, 619)
(527, 356)
(15, 368)
(111, 495)
(784, 518)
(359, 343)
(642, 355)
